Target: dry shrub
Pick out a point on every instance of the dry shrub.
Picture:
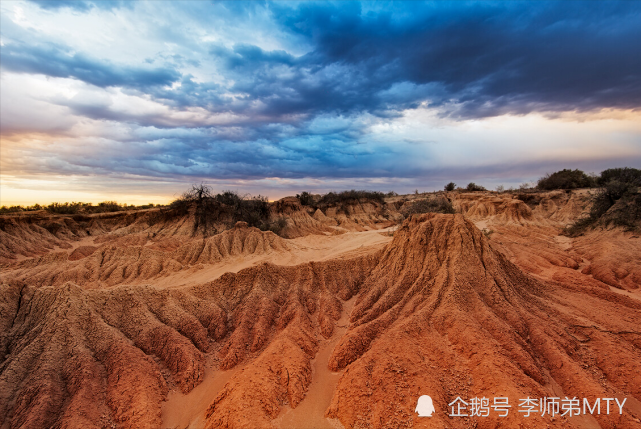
(432, 205)
(566, 179)
(617, 202)
(473, 187)
(225, 208)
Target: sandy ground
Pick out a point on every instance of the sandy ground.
(303, 249)
(310, 413)
(181, 411)
(187, 411)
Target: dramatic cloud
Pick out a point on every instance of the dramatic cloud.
(55, 62)
(257, 92)
(483, 59)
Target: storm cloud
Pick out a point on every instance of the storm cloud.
(480, 59)
(257, 90)
(483, 59)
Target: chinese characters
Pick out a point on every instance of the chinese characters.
(550, 406)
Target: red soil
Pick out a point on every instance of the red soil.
(102, 316)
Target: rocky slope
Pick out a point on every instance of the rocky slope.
(493, 302)
(447, 315)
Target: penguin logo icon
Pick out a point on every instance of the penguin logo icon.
(424, 406)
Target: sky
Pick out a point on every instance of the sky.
(134, 101)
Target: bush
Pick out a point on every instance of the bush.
(18, 209)
(450, 187)
(108, 206)
(66, 208)
(332, 198)
(179, 207)
(615, 203)
(525, 187)
(579, 227)
(566, 179)
(276, 226)
(626, 212)
(254, 211)
(623, 175)
(473, 187)
(12, 209)
(227, 207)
(433, 205)
(305, 198)
(532, 199)
(343, 199)
(607, 196)
(228, 198)
(198, 200)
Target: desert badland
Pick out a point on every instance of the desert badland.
(236, 214)
(130, 320)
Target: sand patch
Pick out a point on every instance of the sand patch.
(310, 413)
(182, 411)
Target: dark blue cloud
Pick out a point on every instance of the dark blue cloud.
(204, 156)
(469, 60)
(488, 58)
(56, 61)
(244, 58)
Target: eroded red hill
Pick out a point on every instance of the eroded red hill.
(116, 314)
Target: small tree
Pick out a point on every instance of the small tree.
(201, 197)
(450, 187)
